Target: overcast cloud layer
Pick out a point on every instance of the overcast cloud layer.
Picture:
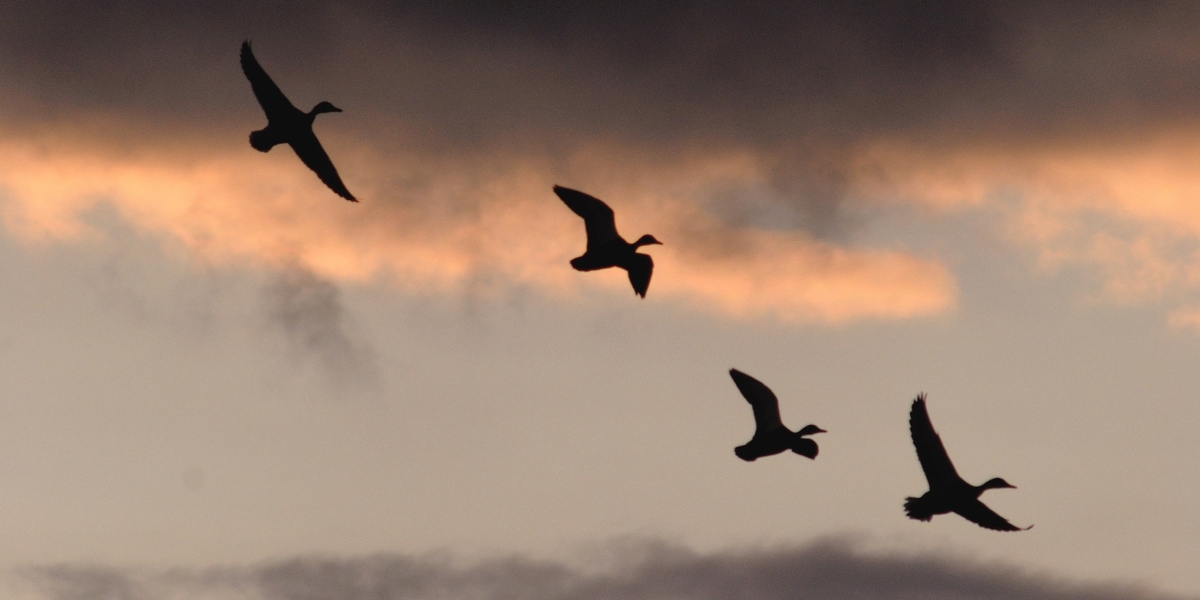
(638, 571)
(764, 74)
(756, 142)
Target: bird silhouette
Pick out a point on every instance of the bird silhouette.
(287, 124)
(947, 491)
(770, 436)
(605, 247)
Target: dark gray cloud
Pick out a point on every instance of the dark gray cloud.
(71, 582)
(805, 84)
(761, 71)
(831, 569)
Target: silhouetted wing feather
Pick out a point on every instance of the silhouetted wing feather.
(598, 218)
(640, 267)
(930, 451)
(313, 155)
(269, 95)
(761, 399)
(979, 514)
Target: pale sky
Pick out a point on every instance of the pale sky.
(211, 360)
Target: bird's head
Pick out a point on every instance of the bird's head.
(996, 482)
(646, 240)
(810, 429)
(324, 107)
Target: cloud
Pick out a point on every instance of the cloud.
(441, 225)
(782, 77)
(1126, 213)
(309, 312)
(632, 571)
(780, 127)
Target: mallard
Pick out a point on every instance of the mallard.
(947, 491)
(605, 247)
(770, 436)
(286, 124)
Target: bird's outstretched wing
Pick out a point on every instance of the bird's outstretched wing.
(269, 95)
(761, 399)
(979, 514)
(640, 267)
(930, 451)
(309, 149)
(598, 219)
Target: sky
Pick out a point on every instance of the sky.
(223, 381)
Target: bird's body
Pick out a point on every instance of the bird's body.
(287, 124)
(770, 435)
(957, 497)
(605, 247)
(947, 491)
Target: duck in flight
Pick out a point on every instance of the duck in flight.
(947, 491)
(770, 436)
(286, 124)
(605, 247)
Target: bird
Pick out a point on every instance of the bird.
(605, 247)
(287, 124)
(947, 491)
(770, 436)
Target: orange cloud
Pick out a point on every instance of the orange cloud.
(1185, 318)
(435, 226)
(1128, 209)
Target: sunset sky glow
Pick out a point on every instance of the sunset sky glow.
(223, 380)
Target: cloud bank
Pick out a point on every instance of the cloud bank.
(449, 227)
(831, 569)
(755, 141)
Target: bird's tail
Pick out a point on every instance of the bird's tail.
(916, 509)
(264, 139)
(588, 263)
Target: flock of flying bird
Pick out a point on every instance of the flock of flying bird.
(948, 492)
